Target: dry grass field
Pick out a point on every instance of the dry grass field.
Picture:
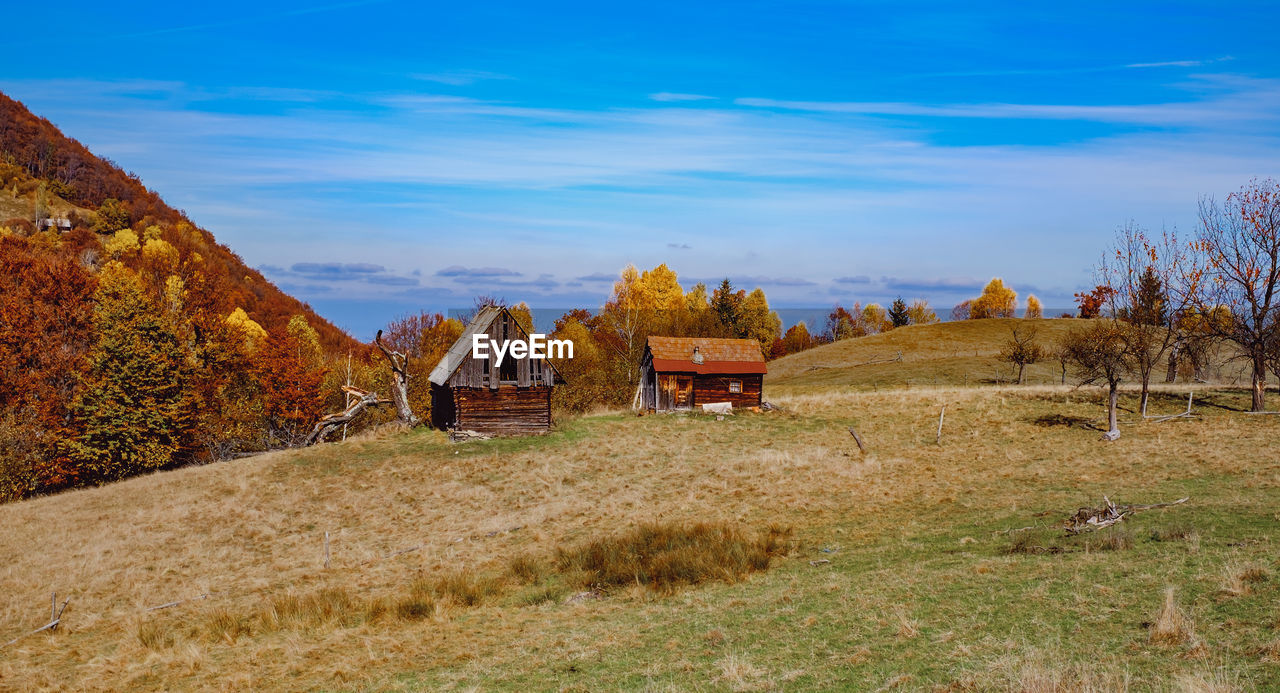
(964, 353)
(21, 205)
(469, 566)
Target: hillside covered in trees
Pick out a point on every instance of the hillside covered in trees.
(130, 339)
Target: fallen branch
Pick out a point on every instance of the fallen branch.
(330, 423)
(52, 625)
(1091, 519)
(1183, 415)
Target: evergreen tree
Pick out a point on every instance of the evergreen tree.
(898, 312)
(1148, 302)
(726, 304)
(131, 412)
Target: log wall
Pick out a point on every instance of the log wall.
(709, 389)
(505, 411)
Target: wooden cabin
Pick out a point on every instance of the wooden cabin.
(468, 394)
(686, 372)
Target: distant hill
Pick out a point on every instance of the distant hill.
(36, 157)
(948, 353)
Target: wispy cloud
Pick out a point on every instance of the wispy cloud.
(336, 270)
(679, 246)
(1252, 106)
(460, 273)
(667, 96)
(459, 78)
(925, 286)
(1075, 69)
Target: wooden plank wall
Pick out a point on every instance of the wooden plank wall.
(709, 389)
(505, 411)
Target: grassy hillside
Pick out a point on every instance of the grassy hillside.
(18, 205)
(903, 573)
(948, 353)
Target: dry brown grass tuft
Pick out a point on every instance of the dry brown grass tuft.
(1269, 652)
(155, 636)
(666, 556)
(739, 674)
(223, 625)
(464, 587)
(1039, 678)
(1032, 543)
(1171, 626)
(1211, 682)
(1110, 539)
(1238, 580)
(1175, 532)
(526, 568)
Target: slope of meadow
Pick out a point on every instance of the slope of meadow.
(948, 353)
(901, 571)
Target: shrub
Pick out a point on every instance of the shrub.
(665, 556)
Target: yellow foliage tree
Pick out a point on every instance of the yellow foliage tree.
(160, 255)
(996, 301)
(523, 316)
(308, 340)
(757, 321)
(875, 319)
(919, 313)
(121, 242)
(251, 332)
(659, 290)
(1035, 311)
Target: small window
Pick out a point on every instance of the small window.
(735, 386)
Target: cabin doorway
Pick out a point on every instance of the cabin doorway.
(675, 392)
(684, 392)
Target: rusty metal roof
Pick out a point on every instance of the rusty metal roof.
(718, 355)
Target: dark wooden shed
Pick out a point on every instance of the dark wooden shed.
(468, 394)
(687, 372)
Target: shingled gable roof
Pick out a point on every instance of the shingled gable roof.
(718, 355)
(462, 348)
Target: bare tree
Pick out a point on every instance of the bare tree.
(399, 381)
(1022, 350)
(1099, 353)
(1149, 284)
(1240, 240)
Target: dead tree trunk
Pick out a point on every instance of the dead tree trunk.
(332, 422)
(1259, 382)
(399, 381)
(1171, 374)
(1113, 397)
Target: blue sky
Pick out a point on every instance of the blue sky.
(376, 158)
